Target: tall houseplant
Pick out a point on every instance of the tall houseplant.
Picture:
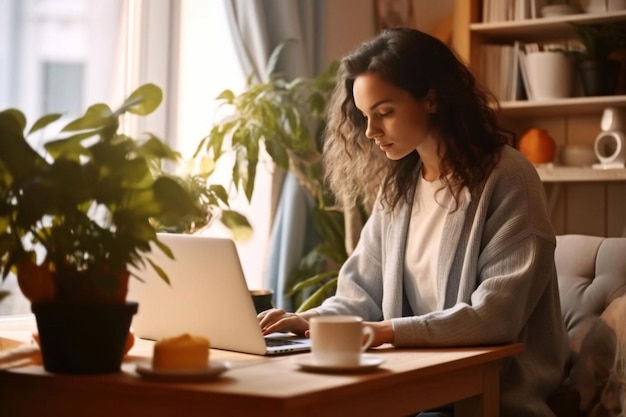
(286, 118)
(76, 217)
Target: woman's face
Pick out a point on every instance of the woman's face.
(396, 121)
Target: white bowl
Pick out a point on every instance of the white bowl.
(578, 155)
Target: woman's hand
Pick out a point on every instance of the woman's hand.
(278, 320)
(383, 332)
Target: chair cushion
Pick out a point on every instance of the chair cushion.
(591, 273)
(592, 283)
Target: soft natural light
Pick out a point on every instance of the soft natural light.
(208, 64)
(63, 55)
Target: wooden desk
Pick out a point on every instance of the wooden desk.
(408, 381)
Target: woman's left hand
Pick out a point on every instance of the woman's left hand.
(383, 332)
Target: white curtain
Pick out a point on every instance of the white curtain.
(258, 26)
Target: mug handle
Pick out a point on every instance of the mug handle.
(369, 334)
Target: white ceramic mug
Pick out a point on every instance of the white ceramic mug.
(339, 340)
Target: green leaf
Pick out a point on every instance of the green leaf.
(273, 59)
(70, 147)
(244, 170)
(175, 201)
(238, 224)
(155, 148)
(44, 121)
(220, 192)
(76, 183)
(18, 159)
(278, 153)
(207, 166)
(330, 224)
(216, 140)
(227, 96)
(311, 282)
(318, 296)
(97, 116)
(143, 101)
(12, 120)
(160, 271)
(164, 248)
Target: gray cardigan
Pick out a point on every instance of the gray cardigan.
(496, 278)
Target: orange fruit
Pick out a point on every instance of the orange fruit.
(538, 146)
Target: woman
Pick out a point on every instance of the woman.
(459, 248)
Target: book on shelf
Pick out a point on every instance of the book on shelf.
(535, 8)
(502, 71)
(511, 10)
(521, 56)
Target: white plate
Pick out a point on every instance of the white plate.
(214, 369)
(368, 362)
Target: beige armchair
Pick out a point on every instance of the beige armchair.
(592, 283)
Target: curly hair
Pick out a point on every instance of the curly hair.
(465, 121)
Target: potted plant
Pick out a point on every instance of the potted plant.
(75, 217)
(598, 72)
(286, 118)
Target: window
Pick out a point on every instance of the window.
(63, 55)
(207, 65)
(63, 86)
(57, 56)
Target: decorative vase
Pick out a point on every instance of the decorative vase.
(599, 78)
(83, 338)
(538, 146)
(550, 74)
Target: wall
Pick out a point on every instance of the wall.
(350, 22)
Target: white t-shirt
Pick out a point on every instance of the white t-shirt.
(430, 207)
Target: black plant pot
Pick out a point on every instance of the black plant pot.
(83, 338)
(599, 78)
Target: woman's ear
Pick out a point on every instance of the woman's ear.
(431, 101)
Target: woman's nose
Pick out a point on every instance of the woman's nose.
(372, 131)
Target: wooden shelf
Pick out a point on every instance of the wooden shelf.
(542, 29)
(573, 192)
(573, 106)
(575, 174)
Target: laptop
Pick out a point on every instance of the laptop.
(207, 296)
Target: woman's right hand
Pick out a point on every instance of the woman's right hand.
(278, 320)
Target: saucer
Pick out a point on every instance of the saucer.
(368, 362)
(215, 368)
